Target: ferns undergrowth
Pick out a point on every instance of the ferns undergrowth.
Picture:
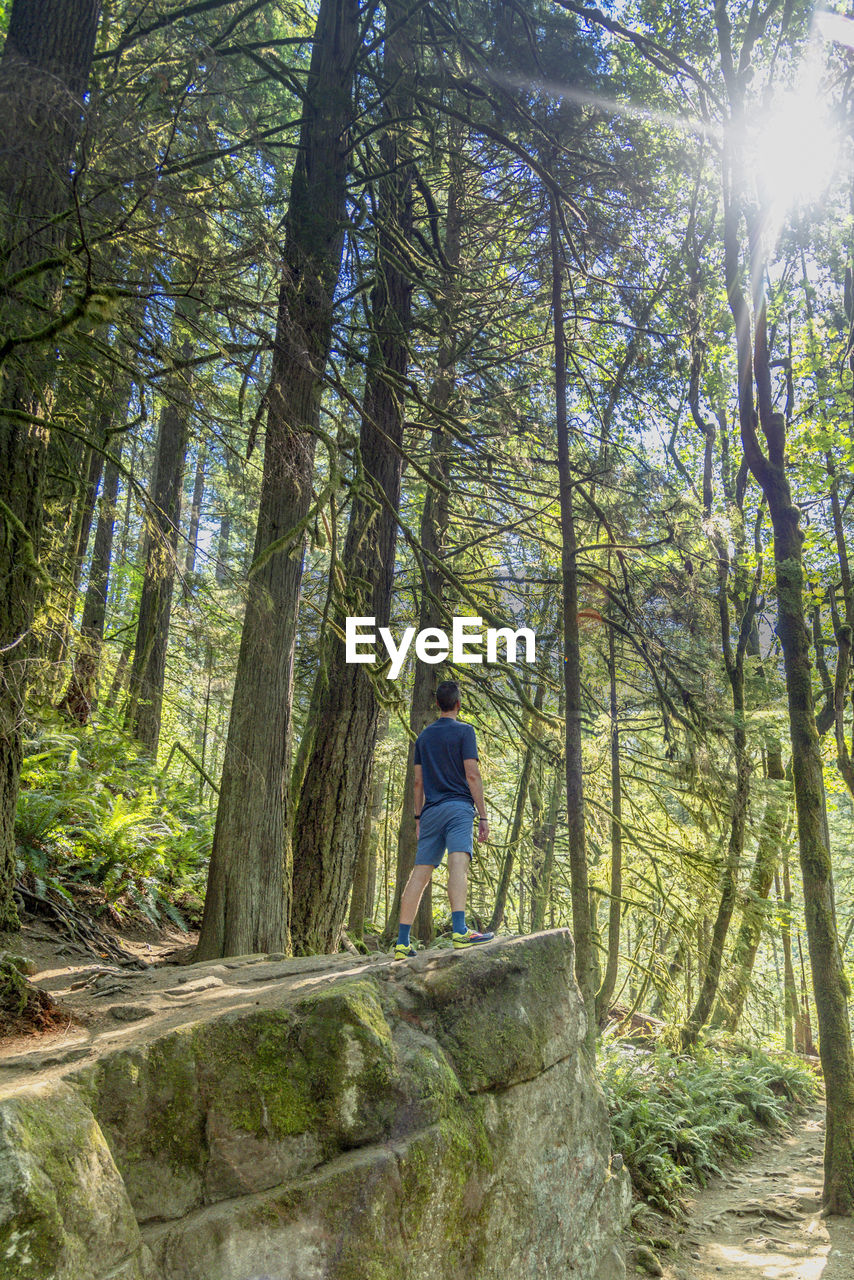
(93, 811)
(675, 1119)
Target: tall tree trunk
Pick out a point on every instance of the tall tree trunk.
(148, 672)
(80, 694)
(518, 817)
(335, 791)
(731, 1000)
(195, 511)
(829, 982)
(361, 899)
(615, 905)
(44, 72)
(247, 903)
(70, 568)
(793, 1023)
(543, 840)
(713, 959)
(585, 959)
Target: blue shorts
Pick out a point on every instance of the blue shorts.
(447, 825)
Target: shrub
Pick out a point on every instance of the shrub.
(93, 810)
(675, 1118)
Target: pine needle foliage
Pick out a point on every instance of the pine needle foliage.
(677, 1119)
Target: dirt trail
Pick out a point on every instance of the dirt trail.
(762, 1221)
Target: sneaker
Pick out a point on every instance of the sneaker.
(470, 938)
(402, 951)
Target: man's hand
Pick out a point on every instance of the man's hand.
(483, 830)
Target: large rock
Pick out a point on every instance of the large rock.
(64, 1210)
(437, 1119)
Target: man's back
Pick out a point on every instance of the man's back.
(440, 749)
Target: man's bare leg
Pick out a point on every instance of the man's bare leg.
(410, 898)
(458, 880)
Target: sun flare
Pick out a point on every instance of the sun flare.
(796, 145)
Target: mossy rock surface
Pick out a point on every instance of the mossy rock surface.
(504, 1015)
(64, 1210)
(245, 1102)
(438, 1119)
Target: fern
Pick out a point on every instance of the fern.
(93, 811)
(675, 1119)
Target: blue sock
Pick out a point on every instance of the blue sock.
(459, 921)
(403, 935)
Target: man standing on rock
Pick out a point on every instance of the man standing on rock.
(448, 792)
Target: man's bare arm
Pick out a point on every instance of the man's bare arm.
(475, 782)
(418, 788)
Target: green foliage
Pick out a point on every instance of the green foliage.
(675, 1118)
(93, 811)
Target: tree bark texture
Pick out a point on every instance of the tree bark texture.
(44, 72)
(544, 829)
(247, 904)
(344, 711)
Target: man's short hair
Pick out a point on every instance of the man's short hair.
(448, 695)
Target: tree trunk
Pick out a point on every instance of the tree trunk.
(195, 511)
(148, 672)
(516, 826)
(70, 565)
(794, 1029)
(731, 1001)
(708, 987)
(44, 72)
(615, 905)
(585, 959)
(333, 801)
(829, 982)
(544, 843)
(247, 901)
(361, 899)
(80, 694)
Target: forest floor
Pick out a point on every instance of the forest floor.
(762, 1219)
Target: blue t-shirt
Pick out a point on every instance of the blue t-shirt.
(440, 749)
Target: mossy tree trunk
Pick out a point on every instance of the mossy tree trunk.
(615, 902)
(331, 810)
(248, 893)
(754, 914)
(365, 874)
(44, 72)
(768, 466)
